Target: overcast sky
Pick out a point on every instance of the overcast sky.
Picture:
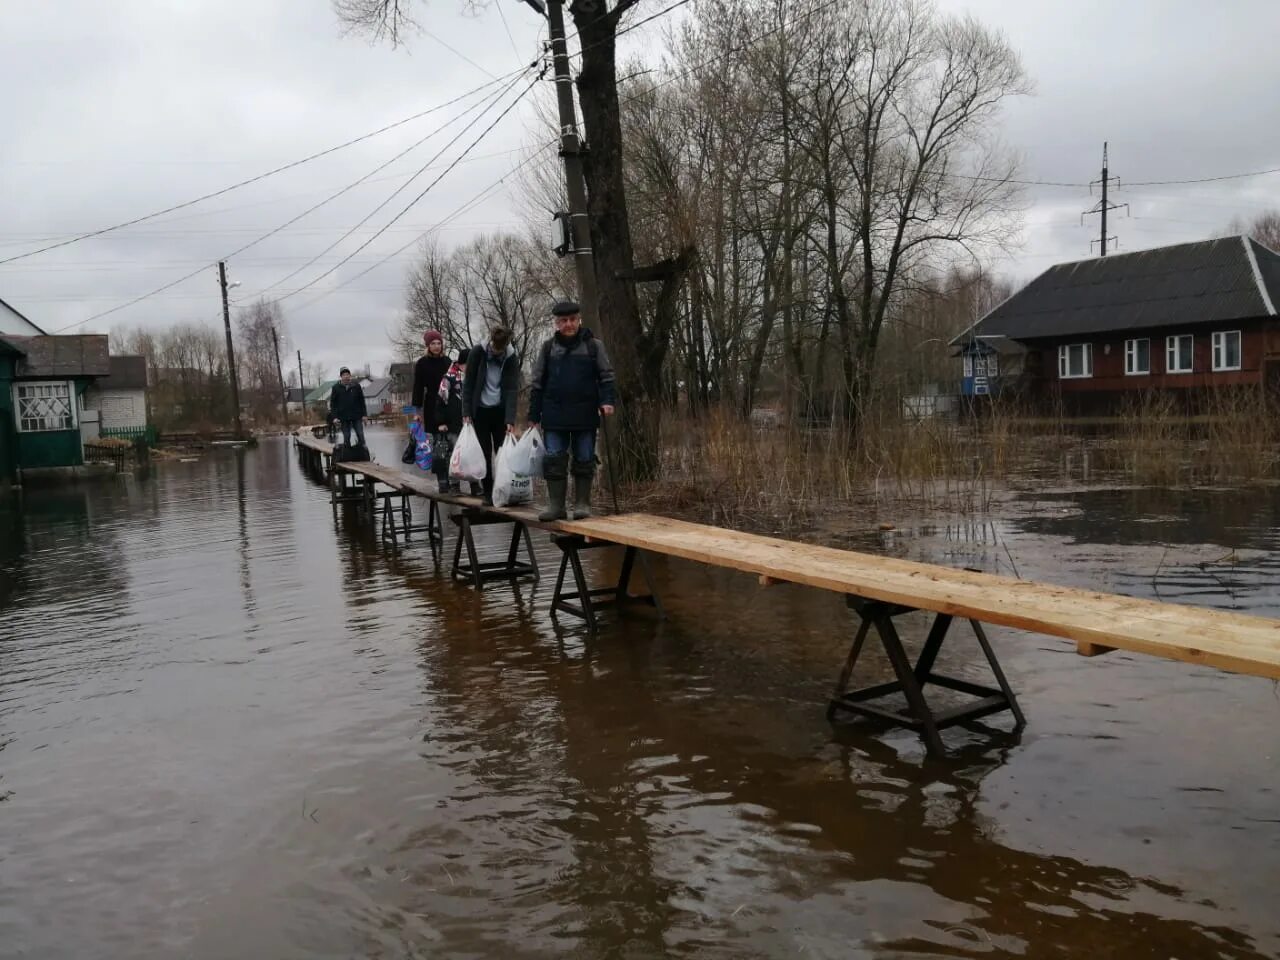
(113, 110)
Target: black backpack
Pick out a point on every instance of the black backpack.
(356, 453)
(593, 351)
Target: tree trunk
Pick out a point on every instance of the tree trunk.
(636, 429)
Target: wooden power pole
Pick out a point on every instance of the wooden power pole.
(571, 150)
(284, 394)
(231, 354)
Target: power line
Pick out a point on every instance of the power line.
(259, 177)
(489, 103)
(41, 237)
(498, 119)
(400, 188)
(396, 192)
(470, 204)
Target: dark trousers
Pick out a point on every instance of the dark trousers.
(357, 426)
(491, 428)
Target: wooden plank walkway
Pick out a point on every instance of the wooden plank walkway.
(877, 588)
(1218, 638)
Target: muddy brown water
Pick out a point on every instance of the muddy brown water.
(231, 726)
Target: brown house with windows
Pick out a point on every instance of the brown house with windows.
(1182, 318)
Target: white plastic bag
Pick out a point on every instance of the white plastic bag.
(527, 457)
(510, 487)
(467, 462)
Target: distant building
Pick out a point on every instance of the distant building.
(378, 395)
(43, 379)
(120, 398)
(294, 399)
(318, 399)
(401, 375)
(1186, 318)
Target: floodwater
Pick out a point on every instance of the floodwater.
(233, 726)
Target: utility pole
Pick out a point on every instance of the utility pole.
(284, 394)
(571, 149)
(1104, 204)
(231, 354)
(302, 386)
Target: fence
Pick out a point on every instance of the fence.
(148, 434)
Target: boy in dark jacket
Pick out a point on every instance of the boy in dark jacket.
(489, 393)
(572, 386)
(449, 413)
(346, 406)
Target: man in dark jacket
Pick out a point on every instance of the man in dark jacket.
(572, 386)
(346, 406)
(489, 393)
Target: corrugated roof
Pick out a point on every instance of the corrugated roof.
(85, 355)
(127, 373)
(1211, 281)
(321, 393)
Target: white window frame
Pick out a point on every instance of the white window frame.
(993, 365)
(1171, 353)
(71, 400)
(1064, 361)
(968, 365)
(1131, 357)
(1220, 352)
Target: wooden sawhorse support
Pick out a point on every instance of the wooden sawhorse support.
(477, 572)
(344, 487)
(919, 716)
(395, 517)
(588, 599)
(433, 528)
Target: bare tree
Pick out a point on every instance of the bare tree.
(1264, 227)
(256, 360)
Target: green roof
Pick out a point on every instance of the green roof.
(321, 393)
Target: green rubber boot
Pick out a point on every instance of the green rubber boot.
(555, 470)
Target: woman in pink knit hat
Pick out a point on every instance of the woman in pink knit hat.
(427, 374)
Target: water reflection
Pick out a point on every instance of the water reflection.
(371, 760)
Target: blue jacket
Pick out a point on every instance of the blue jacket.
(572, 379)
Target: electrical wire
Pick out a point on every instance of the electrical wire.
(469, 205)
(489, 103)
(372, 213)
(262, 176)
(498, 119)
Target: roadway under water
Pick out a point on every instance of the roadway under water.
(231, 726)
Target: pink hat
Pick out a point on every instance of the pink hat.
(431, 335)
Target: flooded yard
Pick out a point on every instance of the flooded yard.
(233, 725)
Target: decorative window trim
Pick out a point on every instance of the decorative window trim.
(1219, 349)
(1064, 361)
(38, 403)
(1171, 353)
(1131, 357)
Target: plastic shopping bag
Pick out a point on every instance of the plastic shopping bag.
(422, 447)
(467, 462)
(509, 487)
(526, 458)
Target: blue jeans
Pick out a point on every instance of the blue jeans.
(348, 426)
(581, 442)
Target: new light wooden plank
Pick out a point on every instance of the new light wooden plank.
(1219, 638)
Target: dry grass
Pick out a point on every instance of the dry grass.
(737, 472)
